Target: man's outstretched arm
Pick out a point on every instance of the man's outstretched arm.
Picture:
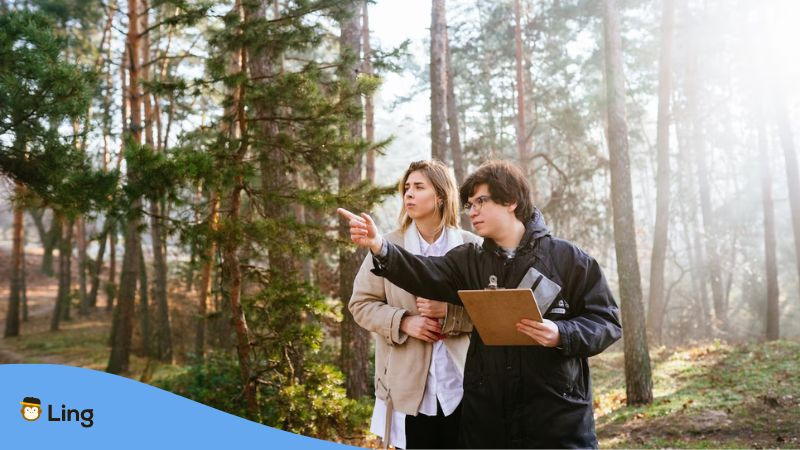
(435, 278)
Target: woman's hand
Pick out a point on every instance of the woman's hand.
(422, 328)
(363, 231)
(545, 333)
(431, 308)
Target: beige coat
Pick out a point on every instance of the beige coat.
(402, 363)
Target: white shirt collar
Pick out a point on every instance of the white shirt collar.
(438, 248)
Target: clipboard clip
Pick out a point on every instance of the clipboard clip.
(492, 282)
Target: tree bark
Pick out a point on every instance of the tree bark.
(231, 270)
(713, 271)
(80, 229)
(438, 81)
(369, 107)
(660, 235)
(792, 175)
(48, 238)
(163, 331)
(355, 340)
(770, 241)
(452, 127)
(205, 283)
(97, 267)
(638, 379)
(62, 306)
(17, 260)
(144, 305)
(522, 142)
(122, 329)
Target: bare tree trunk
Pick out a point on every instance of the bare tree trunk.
(62, 306)
(522, 142)
(97, 267)
(122, 326)
(770, 242)
(709, 232)
(80, 228)
(355, 340)
(638, 378)
(17, 261)
(231, 270)
(122, 331)
(452, 126)
(48, 238)
(205, 283)
(369, 107)
(144, 305)
(24, 290)
(452, 119)
(111, 284)
(163, 334)
(438, 81)
(660, 236)
(792, 175)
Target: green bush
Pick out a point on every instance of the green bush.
(318, 407)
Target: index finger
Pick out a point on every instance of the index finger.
(531, 322)
(348, 215)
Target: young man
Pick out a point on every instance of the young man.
(515, 396)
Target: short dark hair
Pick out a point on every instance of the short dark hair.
(506, 184)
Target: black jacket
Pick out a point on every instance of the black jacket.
(522, 396)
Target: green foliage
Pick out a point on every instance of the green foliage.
(318, 407)
(38, 92)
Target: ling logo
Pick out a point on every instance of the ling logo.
(32, 410)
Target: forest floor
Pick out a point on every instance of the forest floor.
(708, 395)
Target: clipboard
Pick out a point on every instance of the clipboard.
(495, 312)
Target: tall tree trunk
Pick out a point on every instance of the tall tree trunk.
(438, 81)
(15, 291)
(792, 175)
(660, 236)
(124, 311)
(48, 238)
(711, 262)
(24, 290)
(452, 119)
(369, 107)
(80, 229)
(770, 242)
(452, 127)
(638, 378)
(205, 283)
(144, 305)
(231, 270)
(111, 284)
(97, 267)
(355, 340)
(522, 142)
(122, 331)
(62, 306)
(163, 331)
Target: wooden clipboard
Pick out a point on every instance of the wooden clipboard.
(495, 312)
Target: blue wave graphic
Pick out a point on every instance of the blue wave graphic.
(125, 414)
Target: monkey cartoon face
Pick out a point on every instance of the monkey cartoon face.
(31, 412)
(31, 408)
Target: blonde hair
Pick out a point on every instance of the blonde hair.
(445, 186)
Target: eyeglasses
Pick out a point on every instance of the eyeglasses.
(478, 204)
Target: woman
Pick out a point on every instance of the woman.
(421, 344)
